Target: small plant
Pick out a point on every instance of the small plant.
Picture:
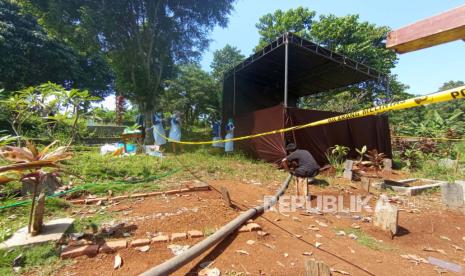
(375, 158)
(361, 152)
(336, 155)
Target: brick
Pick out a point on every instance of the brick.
(195, 234)
(113, 246)
(253, 227)
(76, 251)
(161, 238)
(140, 242)
(178, 236)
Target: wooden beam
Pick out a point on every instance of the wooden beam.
(445, 27)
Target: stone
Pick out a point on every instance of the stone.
(348, 164)
(140, 242)
(160, 238)
(452, 195)
(113, 246)
(386, 216)
(347, 174)
(195, 234)
(76, 251)
(254, 227)
(178, 236)
(387, 165)
(51, 231)
(366, 183)
(38, 216)
(243, 229)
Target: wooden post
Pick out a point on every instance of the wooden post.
(316, 268)
(226, 197)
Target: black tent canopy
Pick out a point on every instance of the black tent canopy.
(286, 69)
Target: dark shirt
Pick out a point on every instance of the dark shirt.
(306, 164)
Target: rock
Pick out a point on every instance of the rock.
(144, 248)
(210, 272)
(318, 244)
(18, 261)
(286, 255)
(250, 242)
(118, 262)
(262, 233)
(38, 216)
(140, 242)
(178, 249)
(243, 229)
(113, 246)
(160, 238)
(242, 252)
(341, 233)
(353, 236)
(254, 227)
(178, 236)
(76, 251)
(195, 234)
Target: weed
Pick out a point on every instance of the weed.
(366, 240)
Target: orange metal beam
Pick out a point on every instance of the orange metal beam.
(445, 27)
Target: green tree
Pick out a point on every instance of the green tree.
(193, 92)
(225, 59)
(272, 25)
(29, 56)
(142, 38)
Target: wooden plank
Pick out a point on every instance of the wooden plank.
(442, 28)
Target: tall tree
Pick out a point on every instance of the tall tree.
(272, 25)
(29, 56)
(225, 59)
(143, 38)
(193, 92)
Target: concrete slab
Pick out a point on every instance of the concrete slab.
(52, 231)
(411, 191)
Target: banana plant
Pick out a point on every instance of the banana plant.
(30, 163)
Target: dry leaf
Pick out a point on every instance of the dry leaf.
(118, 262)
(445, 238)
(250, 242)
(307, 253)
(143, 248)
(243, 252)
(281, 264)
(340, 271)
(318, 244)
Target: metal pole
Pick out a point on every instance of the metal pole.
(177, 262)
(234, 94)
(286, 60)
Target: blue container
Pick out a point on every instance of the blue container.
(130, 148)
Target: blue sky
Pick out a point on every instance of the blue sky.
(424, 70)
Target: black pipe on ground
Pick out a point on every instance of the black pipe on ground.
(179, 261)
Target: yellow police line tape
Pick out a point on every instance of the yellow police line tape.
(444, 96)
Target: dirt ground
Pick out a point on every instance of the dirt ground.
(423, 223)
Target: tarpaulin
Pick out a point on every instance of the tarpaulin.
(372, 131)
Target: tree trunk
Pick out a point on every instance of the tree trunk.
(149, 140)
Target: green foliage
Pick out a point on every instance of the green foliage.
(361, 152)
(30, 56)
(143, 39)
(39, 255)
(193, 92)
(225, 59)
(336, 155)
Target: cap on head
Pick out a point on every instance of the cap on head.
(291, 147)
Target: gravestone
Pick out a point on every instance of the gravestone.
(366, 183)
(38, 216)
(452, 195)
(386, 216)
(226, 197)
(316, 268)
(348, 164)
(387, 165)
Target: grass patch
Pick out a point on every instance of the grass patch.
(366, 240)
(44, 256)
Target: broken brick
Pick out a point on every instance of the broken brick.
(161, 238)
(195, 234)
(113, 246)
(178, 236)
(76, 251)
(140, 242)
